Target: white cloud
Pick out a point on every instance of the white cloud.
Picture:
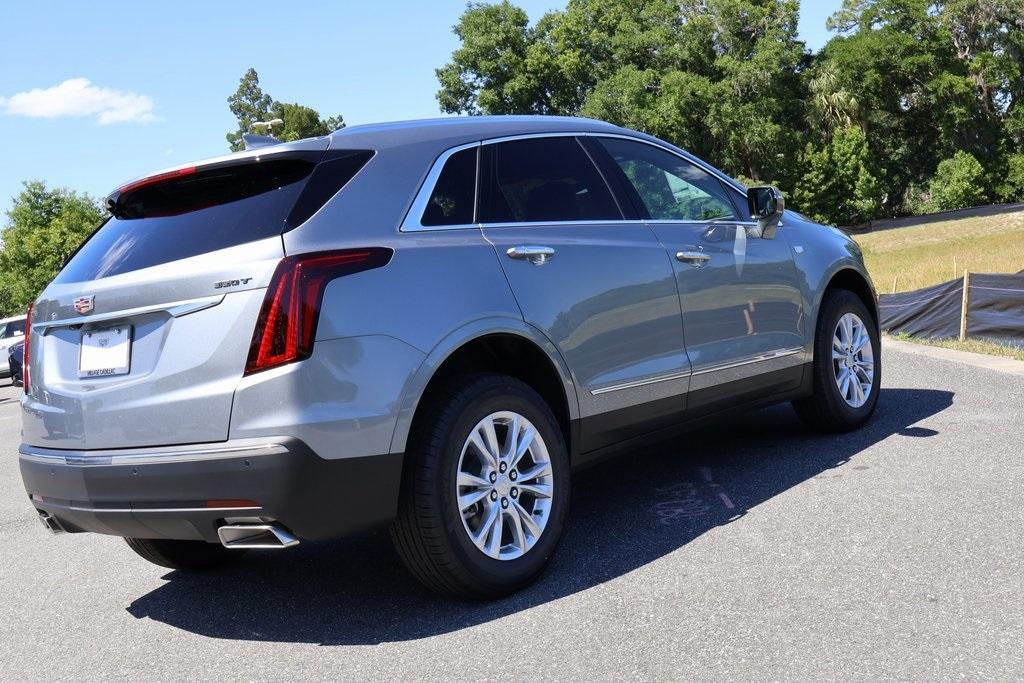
(79, 97)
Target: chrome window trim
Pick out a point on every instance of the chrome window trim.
(411, 221)
(759, 358)
(414, 216)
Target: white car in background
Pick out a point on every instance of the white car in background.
(12, 330)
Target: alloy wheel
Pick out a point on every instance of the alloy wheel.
(504, 485)
(853, 360)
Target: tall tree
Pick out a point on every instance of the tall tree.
(720, 77)
(251, 105)
(44, 227)
(931, 78)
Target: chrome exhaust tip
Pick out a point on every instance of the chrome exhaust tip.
(51, 524)
(259, 536)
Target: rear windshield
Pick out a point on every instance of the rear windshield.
(213, 208)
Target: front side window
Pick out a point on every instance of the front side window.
(544, 179)
(451, 202)
(670, 187)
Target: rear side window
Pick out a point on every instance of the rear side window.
(544, 179)
(15, 328)
(669, 187)
(452, 201)
(193, 212)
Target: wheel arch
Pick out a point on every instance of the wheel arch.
(507, 346)
(854, 281)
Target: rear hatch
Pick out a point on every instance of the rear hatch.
(144, 335)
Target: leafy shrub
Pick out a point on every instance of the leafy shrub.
(958, 183)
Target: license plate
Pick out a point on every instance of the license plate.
(105, 353)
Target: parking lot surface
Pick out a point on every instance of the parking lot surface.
(751, 549)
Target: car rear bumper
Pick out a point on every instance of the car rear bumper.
(187, 492)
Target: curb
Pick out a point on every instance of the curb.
(1008, 366)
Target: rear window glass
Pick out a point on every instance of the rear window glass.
(212, 209)
(545, 179)
(451, 202)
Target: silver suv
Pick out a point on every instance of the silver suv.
(425, 325)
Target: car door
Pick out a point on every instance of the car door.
(739, 293)
(600, 287)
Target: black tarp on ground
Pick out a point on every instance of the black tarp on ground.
(995, 310)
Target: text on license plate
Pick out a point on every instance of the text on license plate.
(105, 352)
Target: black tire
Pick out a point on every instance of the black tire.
(826, 410)
(428, 532)
(185, 555)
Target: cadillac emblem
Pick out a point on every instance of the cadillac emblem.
(84, 304)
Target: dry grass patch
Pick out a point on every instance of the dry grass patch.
(923, 255)
(973, 345)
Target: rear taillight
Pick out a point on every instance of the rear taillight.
(286, 327)
(27, 349)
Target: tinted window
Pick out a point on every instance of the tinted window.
(15, 328)
(451, 202)
(670, 187)
(214, 208)
(544, 179)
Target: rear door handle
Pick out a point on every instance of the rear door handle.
(694, 258)
(536, 255)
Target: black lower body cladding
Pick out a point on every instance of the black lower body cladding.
(187, 497)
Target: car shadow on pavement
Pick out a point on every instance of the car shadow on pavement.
(626, 512)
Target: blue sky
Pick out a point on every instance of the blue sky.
(144, 84)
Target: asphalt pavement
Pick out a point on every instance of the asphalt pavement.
(749, 550)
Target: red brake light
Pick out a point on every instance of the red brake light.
(286, 327)
(154, 179)
(25, 352)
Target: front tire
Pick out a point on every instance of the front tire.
(847, 366)
(183, 555)
(485, 488)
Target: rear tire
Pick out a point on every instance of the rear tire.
(831, 408)
(490, 547)
(184, 555)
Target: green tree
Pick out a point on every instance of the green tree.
(1012, 188)
(839, 184)
(720, 77)
(931, 78)
(251, 105)
(958, 183)
(44, 227)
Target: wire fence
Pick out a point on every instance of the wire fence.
(978, 305)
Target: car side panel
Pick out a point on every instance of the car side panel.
(513, 325)
(441, 289)
(819, 252)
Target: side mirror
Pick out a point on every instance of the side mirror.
(766, 206)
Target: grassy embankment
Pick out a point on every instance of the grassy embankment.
(915, 257)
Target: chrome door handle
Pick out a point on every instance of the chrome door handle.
(694, 258)
(538, 256)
